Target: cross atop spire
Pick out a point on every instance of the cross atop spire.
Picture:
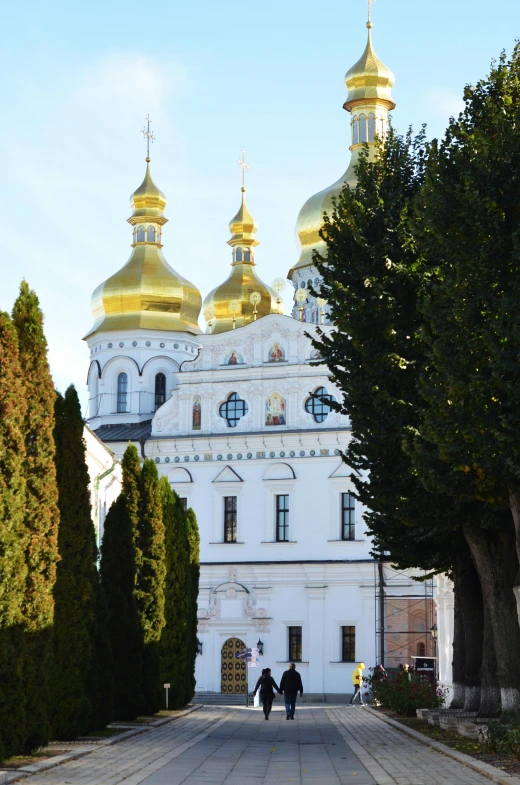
(244, 166)
(148, 135)
(370, 10)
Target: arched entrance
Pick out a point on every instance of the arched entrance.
(233, 676)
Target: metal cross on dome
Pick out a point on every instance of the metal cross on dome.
(369, 7)
(148, 135)
(244, 166)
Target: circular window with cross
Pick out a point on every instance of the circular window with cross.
(233, 409)
(319, 404)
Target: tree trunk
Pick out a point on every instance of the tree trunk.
(458, 661)
(490, 703)
(472, 613)
(495, 558)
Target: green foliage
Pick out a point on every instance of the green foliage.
(404, 691)
(75, 690)
(504, 736)
(13, 542)
(193, 592)
(41, 514)
(174, 653)
(150, 582)
(118, 573)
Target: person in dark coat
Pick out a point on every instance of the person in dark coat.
(267, 686)
(290, 685)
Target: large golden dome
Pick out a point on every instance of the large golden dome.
(146, 293)
(369, 83)
(229, 304)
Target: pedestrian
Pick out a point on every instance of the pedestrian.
(357, 681)
(291, 685)
(267, 686)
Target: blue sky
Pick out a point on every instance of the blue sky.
(78, 80)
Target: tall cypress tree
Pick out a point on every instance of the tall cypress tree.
(13, 541)
(193, 592)
(150, 583)
(174, 655)
(121, 558)
(41, 513)
(76, 673)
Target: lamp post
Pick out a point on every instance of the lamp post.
(433, 633)
(260, 646)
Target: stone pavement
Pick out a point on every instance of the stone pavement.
(235, 746)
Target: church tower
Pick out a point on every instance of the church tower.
(369, 83)
(145, 324)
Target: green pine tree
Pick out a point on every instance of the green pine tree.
(150, 583)
(174, 654)
(13, 542)
(193, 592)
(76, 673)
(41, 513)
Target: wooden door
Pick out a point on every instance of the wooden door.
(233, 671)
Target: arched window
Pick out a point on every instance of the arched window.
(355, 130)
(151, 234)
(421, 649)
(247, 256)
(309, 284)
(318, 404)
(160, 390)
(140, 234)
(238, 256)
(122, 393)
(233, 409)
(362, 128)
(371, 127)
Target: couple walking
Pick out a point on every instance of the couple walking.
(290, 685)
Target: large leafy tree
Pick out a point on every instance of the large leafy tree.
(13, 542)
(41, 513)
(150, 582)
(175, 651)
(77, 670)
(470, 237)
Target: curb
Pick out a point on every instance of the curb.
(18, 774)
(491, 772)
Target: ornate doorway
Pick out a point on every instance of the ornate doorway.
(233, 674)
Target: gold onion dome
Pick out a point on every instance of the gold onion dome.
(231, 304)
(369, 83)
(146, 293)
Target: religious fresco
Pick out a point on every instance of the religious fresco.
(276, 354)
(275, 410)
(196, 415)
(233, 358)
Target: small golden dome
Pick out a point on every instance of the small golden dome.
(369, 78)
(146, 293)
(369, 84)
(231, 303)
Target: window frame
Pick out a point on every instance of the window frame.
(122, 395)
(295, 643)
(282, 514)
(237, 403)
(351, 637)
(233, 513)
(315, 405)
(351, 510)
(160, 394)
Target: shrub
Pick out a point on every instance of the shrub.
(404, 691)
(504, 735)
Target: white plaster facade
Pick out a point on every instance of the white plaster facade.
(444, 601)
(256, 587)
(105, 478)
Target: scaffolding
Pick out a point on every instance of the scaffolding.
(404, 615)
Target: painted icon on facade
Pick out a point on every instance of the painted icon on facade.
(275, 410)
(196, 416)
(234, 358)
(276, 353)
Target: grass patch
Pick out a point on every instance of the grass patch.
(104, 733)
(19, 761)
(448, 737)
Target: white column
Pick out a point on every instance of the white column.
(315, 634)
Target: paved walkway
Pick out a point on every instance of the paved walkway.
(235, 746)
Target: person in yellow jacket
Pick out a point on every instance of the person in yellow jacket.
(357, 681)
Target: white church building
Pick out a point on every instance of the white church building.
(237, 417)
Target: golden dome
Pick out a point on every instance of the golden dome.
(369, 78)
(369, 84)
(230, 302)
(146, 293)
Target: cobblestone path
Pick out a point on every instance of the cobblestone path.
(235, 746)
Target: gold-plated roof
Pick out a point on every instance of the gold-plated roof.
(369, 78)
(146, 293)
(369, 84)
(242, 281)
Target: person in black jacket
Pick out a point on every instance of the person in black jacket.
(267, 686)
(290, 685)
